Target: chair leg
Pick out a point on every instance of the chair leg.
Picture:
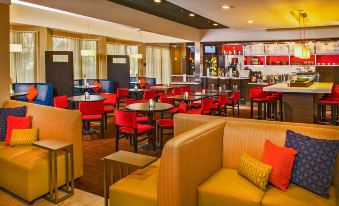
(135, 143)
(106, 121)
(281, 110)
(251, 109)
(233, 109)
(225, 110)
(153, 138)
(238, 108)
(161, 138)
(102, 128)
(259, 110)
(333, 115)
(264, 117)
(117, 139)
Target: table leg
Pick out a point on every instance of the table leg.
(50, 164)
(105, 183)
(72, 169)
(55, 186)
(67, 168)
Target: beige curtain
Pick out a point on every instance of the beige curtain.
(23, 64)
(89, 63)
(158, 64)
(116, 49)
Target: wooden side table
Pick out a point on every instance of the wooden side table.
(127, 159)
(54, 146)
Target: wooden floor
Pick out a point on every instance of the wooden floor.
(95, 148)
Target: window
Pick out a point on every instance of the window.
(82, 64)
(121, 49)
(23, 64)
(158, 64)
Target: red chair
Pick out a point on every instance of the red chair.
(258, 96)
(177, 91)
(126, 125)
(234, 101)
(151, 94)
(221, 104)
(168, 123)
(206, 107)
(92, 112)
(187, 89)
(142, 118)
(122, 96)
(331, 100)
(110, 103)
(61, 102)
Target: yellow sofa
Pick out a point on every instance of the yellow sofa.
(24, 169)
(199, 166)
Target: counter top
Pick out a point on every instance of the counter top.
(235, 78)
(315, 88)
(256, 83)
(185, 83)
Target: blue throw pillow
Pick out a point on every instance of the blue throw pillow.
(42, 89)
(314, 164)
(4, 113)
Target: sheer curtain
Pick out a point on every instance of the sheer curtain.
(89, 63)
(69, 44)
(158, 64)
(116, 49)
(23, 64)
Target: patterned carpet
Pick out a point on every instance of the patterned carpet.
(95, 148)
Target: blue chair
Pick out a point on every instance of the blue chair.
(45, 96)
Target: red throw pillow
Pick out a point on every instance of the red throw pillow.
(98, 89)
(16, 123)
(281, 159)
(32, 93)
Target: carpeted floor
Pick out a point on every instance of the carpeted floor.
(95, 148)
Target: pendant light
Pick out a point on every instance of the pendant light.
(300, 50)
(87, 52)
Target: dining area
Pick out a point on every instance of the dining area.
(144, 115)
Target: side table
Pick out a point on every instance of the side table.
(127, 159)
(54, 146)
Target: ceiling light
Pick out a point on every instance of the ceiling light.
(250, 21)
(191, 15)
(215, 24)
(226, 7)
(157, 1)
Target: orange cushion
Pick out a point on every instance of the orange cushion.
(99, 87)
(32, 93)
(142, 83)
(16, 123)
(281, 159)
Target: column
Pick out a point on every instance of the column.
(4, 51)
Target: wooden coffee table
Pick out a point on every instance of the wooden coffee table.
(124, 159)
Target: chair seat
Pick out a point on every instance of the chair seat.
(259, 99)
(165, 122)
(296, 196)
(109, 102)
(329, 101)
(142, 119)
(195, 105)
(175, 110)
(108, 109)
(216, 106)
(272, 98)
(229, 102)
(140, 128)
(92, 117)
(227, 187)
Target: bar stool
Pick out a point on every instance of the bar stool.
(322, 108)
(272, 108)
(280, 102)
(257, 95)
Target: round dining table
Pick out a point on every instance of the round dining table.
(81, 98)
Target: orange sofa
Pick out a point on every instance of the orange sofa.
(24, 169)
(199, 166)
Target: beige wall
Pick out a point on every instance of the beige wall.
(177, 53)
(4, 53)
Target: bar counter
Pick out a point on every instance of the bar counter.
(300, 103)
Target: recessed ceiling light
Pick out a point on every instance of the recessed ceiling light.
(215, 24)
(250, 21)
(191, 15)
(157, 1)
(226, 7)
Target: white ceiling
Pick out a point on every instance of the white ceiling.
(267, 14)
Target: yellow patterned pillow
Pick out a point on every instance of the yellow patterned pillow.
(255, 171)
(24, 136)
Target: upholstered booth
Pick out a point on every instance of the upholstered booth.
(45, 96)
(107, 85)
(148, 80)
(24, 169)
(199, 166)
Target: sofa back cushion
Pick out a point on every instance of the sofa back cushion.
(42, 90)
(249, 136)
(187, 161)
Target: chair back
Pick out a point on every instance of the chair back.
(91, 108)
(125, 118)
(61, 102)
(177, 91)
(182, 107)
(111, 99)
(122, 92)
(187, 89)
(236, 96)
(151, 94)
(163, 99)
(222, 99)
(206, 104)
(257, 92)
